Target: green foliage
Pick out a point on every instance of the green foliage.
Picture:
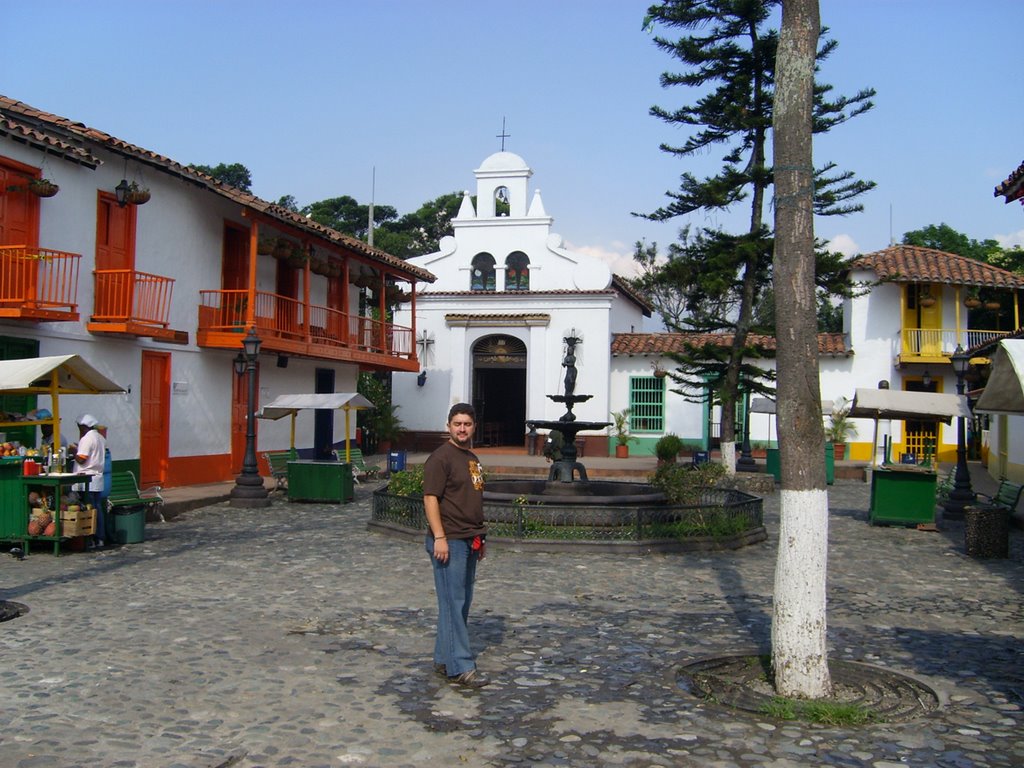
(668, 447)
(385, 423)
(682, 484)
(620, 426)
(346, 215)
(840, 428)
(819, 711)
(235, 174)
(727, 53)
(408, 482)
(943, 237)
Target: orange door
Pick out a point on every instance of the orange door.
(234, 274)
(19, 225)
(154, 418)
(239, 414)
(115, 250)
(287, 289)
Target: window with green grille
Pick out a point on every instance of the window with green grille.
(646, 404)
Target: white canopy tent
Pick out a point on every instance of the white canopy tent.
(54, 376)
(896, 404)
(1003, 392)
(290, 405)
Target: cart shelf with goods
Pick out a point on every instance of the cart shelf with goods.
(20, 475)
(904, 494)
(310, 480)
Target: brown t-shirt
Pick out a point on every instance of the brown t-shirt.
(455, 476)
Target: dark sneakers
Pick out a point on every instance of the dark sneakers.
(439, 669)
(471, 679)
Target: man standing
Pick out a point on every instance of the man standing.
(453, 498)
(89, 458)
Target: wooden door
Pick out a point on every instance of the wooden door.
(239, 414)
(115, 250)
(287, 290)
(19, 209)
(154, 418)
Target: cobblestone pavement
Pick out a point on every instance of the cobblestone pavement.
(292, 636)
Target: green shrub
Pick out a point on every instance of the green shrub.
(408, 482)
(681, 483)
(668, 447)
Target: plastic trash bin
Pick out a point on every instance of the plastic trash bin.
(130, 525)
(396, 461)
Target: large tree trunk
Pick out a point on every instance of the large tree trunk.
(799, 645)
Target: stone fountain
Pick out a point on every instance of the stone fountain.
(567, 466)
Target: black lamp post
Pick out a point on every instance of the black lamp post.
(249, 490)
(962, 494)
(746, 463)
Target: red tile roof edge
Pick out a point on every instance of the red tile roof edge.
(1013, 187)
(10, 106)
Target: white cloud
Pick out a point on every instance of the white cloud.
(1011, 240)
(617, 256)
(844, 244)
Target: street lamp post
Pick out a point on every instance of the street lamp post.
(962, 494)
(746, 463)
(249, 490)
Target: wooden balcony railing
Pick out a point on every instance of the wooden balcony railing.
(125, 295)
(38, 283)
(287, 325)
(135, 303)
(941, 342)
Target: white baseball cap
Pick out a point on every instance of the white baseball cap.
(88, 420)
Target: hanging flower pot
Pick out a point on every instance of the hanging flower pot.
(972, 302)
(282, 248)
(265, 246)
(137, 195)
(927, 300)
(992, 305)
(42, 187)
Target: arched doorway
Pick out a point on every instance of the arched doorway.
(499, 390)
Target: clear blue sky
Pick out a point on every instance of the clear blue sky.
(312, 95)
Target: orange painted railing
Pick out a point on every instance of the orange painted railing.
(126, 295)
(281, 317)
(39, 278)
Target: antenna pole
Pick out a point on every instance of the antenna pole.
(373, 194)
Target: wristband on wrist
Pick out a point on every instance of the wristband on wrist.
(440, 537)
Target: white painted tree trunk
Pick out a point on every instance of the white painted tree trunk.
(799, 652)
(799, 642)
(729, 457)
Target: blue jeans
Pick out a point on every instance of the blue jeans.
(453, 581)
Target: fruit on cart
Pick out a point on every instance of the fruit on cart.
(50, 529)
(34, 528)
(44, 519)
(34, 499)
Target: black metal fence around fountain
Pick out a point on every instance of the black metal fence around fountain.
(565, 467)
(605, 515)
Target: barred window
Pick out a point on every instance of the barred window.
(646, 404)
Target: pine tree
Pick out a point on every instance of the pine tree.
(728, 56)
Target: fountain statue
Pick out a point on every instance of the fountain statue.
(566, 466)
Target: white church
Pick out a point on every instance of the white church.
(490, 330)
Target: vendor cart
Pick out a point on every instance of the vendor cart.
(308, 480)
(904, 494)
(53, 376)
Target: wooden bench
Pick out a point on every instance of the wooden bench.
(125, 493)
(360, 469)
(1007, 495)
(278, 461)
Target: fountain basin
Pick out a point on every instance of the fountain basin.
(579, 493)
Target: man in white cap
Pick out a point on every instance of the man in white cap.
(89, 455)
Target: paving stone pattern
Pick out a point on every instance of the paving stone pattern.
(292, 636)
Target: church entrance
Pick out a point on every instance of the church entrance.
(499, 390)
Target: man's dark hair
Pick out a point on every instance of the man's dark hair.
(465, 408)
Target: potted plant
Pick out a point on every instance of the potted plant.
(972, 301)
(42, 187)
(620, 427)
(137, 195)
(926, 299)
(660, 372)
(840, 428)
(386, 426)
(667, 448)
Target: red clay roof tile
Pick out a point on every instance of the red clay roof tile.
(1013, 188)
(914, 264)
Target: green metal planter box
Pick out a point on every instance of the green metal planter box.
(13, 506)
(773, 464)
(902, 495)
(320, 481)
